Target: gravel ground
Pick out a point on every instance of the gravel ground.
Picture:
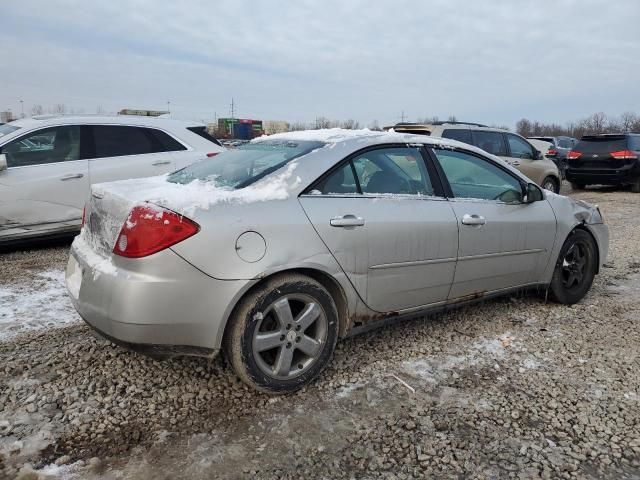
(511, 388)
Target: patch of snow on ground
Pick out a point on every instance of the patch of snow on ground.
(42, 304)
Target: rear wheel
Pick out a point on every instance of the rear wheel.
(552, 184)
(575, 268)
(282, 335)
(635, 186)
(577, 186)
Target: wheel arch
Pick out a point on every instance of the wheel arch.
(584, 227)
(323, 278)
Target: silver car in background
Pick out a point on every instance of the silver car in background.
(273, 251)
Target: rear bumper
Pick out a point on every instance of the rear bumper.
(160, 305)
(603, 176)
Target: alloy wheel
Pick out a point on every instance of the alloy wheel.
(573, 265)
(290, 336)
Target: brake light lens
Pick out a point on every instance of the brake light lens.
(212, 154)
(624, 155)
(572, 155)
(150, 229)
(552, 152)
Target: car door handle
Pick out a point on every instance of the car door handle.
(473, 219)
(347, 221)
(71, 176)
(515, 163)
(161, 162)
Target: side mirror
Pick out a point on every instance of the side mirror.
(3, 162)
(532, 193)
(537, 154)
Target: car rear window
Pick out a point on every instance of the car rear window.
(202, 131)
(6, 129)
(246, 164)
(606, 144)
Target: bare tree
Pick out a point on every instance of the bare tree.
(296, 126)
(351, 124)
(58, 108)
(452, 118)
(37, 110)
(628, 120)
(596, 123)
(524, 128)
(100, 110)
(375, 126)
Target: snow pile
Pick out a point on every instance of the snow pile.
(187, 198)
(44, 303)
(335, 135)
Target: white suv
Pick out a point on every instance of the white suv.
(47, 164)
(511, 147)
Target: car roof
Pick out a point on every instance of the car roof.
(46, 120)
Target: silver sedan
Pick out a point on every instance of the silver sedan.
(273, 251)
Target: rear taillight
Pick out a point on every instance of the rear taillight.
(212, 154)
(150, 229)
(552, 152)
(572, 155)
(624, 155)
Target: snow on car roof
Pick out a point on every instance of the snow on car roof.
(337, 135)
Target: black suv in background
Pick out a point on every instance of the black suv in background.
(561, 146)
(606, 159)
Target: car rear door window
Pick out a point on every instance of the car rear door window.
(491, 142)
(634, 142)
(120, 140)
(519, 148)
(460, 134)
(169, 144)
(49, 145)
(384, 171)
(473, 177)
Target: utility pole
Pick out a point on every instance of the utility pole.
(22, 108)
(402, 117)
(168, 104)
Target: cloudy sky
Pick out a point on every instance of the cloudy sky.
(489, 61)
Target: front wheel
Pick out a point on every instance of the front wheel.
(282, 334)
(575, 268)
(551, 184)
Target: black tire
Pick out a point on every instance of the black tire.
(577, 186)
(552, 184)
(635, 186)
(575, 268)
(257, 319)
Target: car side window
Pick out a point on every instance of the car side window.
(341, 181)
(460, 134)
(169, 144)
(473, 177)
(398, 170)
(120, 140)
(634, 142)
(49, 145)
(519, 148)
(491, 142)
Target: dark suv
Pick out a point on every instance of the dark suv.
(606, 159)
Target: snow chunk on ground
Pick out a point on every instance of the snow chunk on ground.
(42, 304)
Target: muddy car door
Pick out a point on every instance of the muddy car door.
(388, 226)
(46, 181)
